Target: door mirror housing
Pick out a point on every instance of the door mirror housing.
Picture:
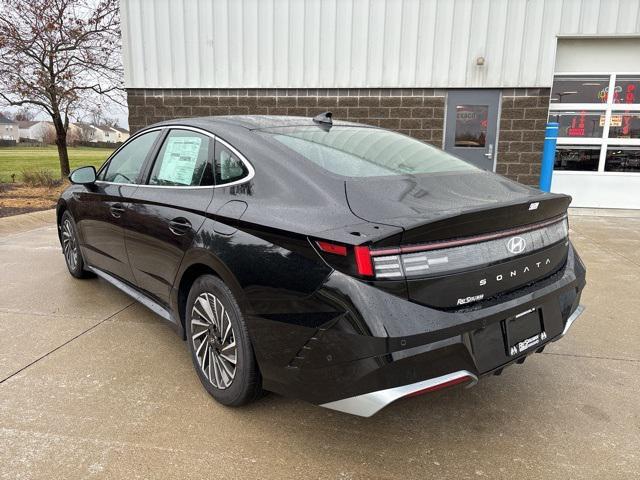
(83, 176)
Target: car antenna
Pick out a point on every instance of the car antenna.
(324, 119)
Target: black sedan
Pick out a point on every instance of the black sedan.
(339, 263)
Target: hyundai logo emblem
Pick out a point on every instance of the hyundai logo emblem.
(516, 245)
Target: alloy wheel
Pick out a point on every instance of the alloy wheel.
(69, 245)
(214, 341)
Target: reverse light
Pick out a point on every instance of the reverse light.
(363, 261)
(332, 248)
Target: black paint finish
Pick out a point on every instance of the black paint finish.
(320, 331)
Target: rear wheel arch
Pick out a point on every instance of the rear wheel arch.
(202, 263)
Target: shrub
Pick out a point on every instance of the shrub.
(40, 178)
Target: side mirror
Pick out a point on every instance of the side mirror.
(83, 176)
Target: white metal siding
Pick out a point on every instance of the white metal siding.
(357, 43)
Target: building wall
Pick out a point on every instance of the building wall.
(357, 43)
(523, 118)
(9, 131)
(417, 112)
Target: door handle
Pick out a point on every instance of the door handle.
(179, 226)
(116, 210)
(489, 154)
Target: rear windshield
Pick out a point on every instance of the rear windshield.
(366, 152)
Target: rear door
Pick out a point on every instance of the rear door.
(169, 209)
(471, 126)
(104, 206)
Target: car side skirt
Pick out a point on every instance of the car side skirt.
(135, 294)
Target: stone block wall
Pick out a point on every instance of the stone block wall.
(523, 119)
(419, 112)
(416, 112)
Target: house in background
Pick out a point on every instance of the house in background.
(478, 78)
(87, 132)
(36, 130)
(122, 134)
(8, 129)
(104, 133)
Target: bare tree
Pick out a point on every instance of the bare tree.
(47, 133)
(96, 116)
(58, 54)
(24, 114)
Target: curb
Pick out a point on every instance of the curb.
(27, 221)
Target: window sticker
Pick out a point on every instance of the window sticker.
(180, 159)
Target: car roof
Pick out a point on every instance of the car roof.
(252, 122)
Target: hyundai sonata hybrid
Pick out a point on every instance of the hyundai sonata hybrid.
(339, 263)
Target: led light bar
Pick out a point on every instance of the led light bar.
(464, 254)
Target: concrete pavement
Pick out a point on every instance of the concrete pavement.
(96, 386)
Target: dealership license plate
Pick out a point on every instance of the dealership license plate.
(525, 332)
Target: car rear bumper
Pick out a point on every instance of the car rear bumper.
(380, 347)
(367, 404)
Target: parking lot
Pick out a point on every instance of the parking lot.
(96, 386)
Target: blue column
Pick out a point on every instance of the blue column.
(548, 155)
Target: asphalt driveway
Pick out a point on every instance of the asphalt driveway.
(94, 385)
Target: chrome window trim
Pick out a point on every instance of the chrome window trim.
(242, 158)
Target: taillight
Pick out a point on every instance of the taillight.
(440, 258)
(348, 259)
(333, 248)
(363, 261)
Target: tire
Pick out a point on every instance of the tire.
(71, 247)
(214, 324)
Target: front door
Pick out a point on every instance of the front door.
(104, 207)
(99, 217)
(471, 126)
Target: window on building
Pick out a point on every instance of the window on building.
(598, 131)
(580, 89)
(577, 158)
(622, 159)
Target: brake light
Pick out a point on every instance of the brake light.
(363, 261)
(332, 248)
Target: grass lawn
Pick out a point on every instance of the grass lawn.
(18, 159)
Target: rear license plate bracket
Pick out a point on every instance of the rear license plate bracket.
(524, 332)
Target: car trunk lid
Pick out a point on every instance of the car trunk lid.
(455, 233)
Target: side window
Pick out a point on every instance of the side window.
(228, 167)
(126, 165)
(183, 160)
